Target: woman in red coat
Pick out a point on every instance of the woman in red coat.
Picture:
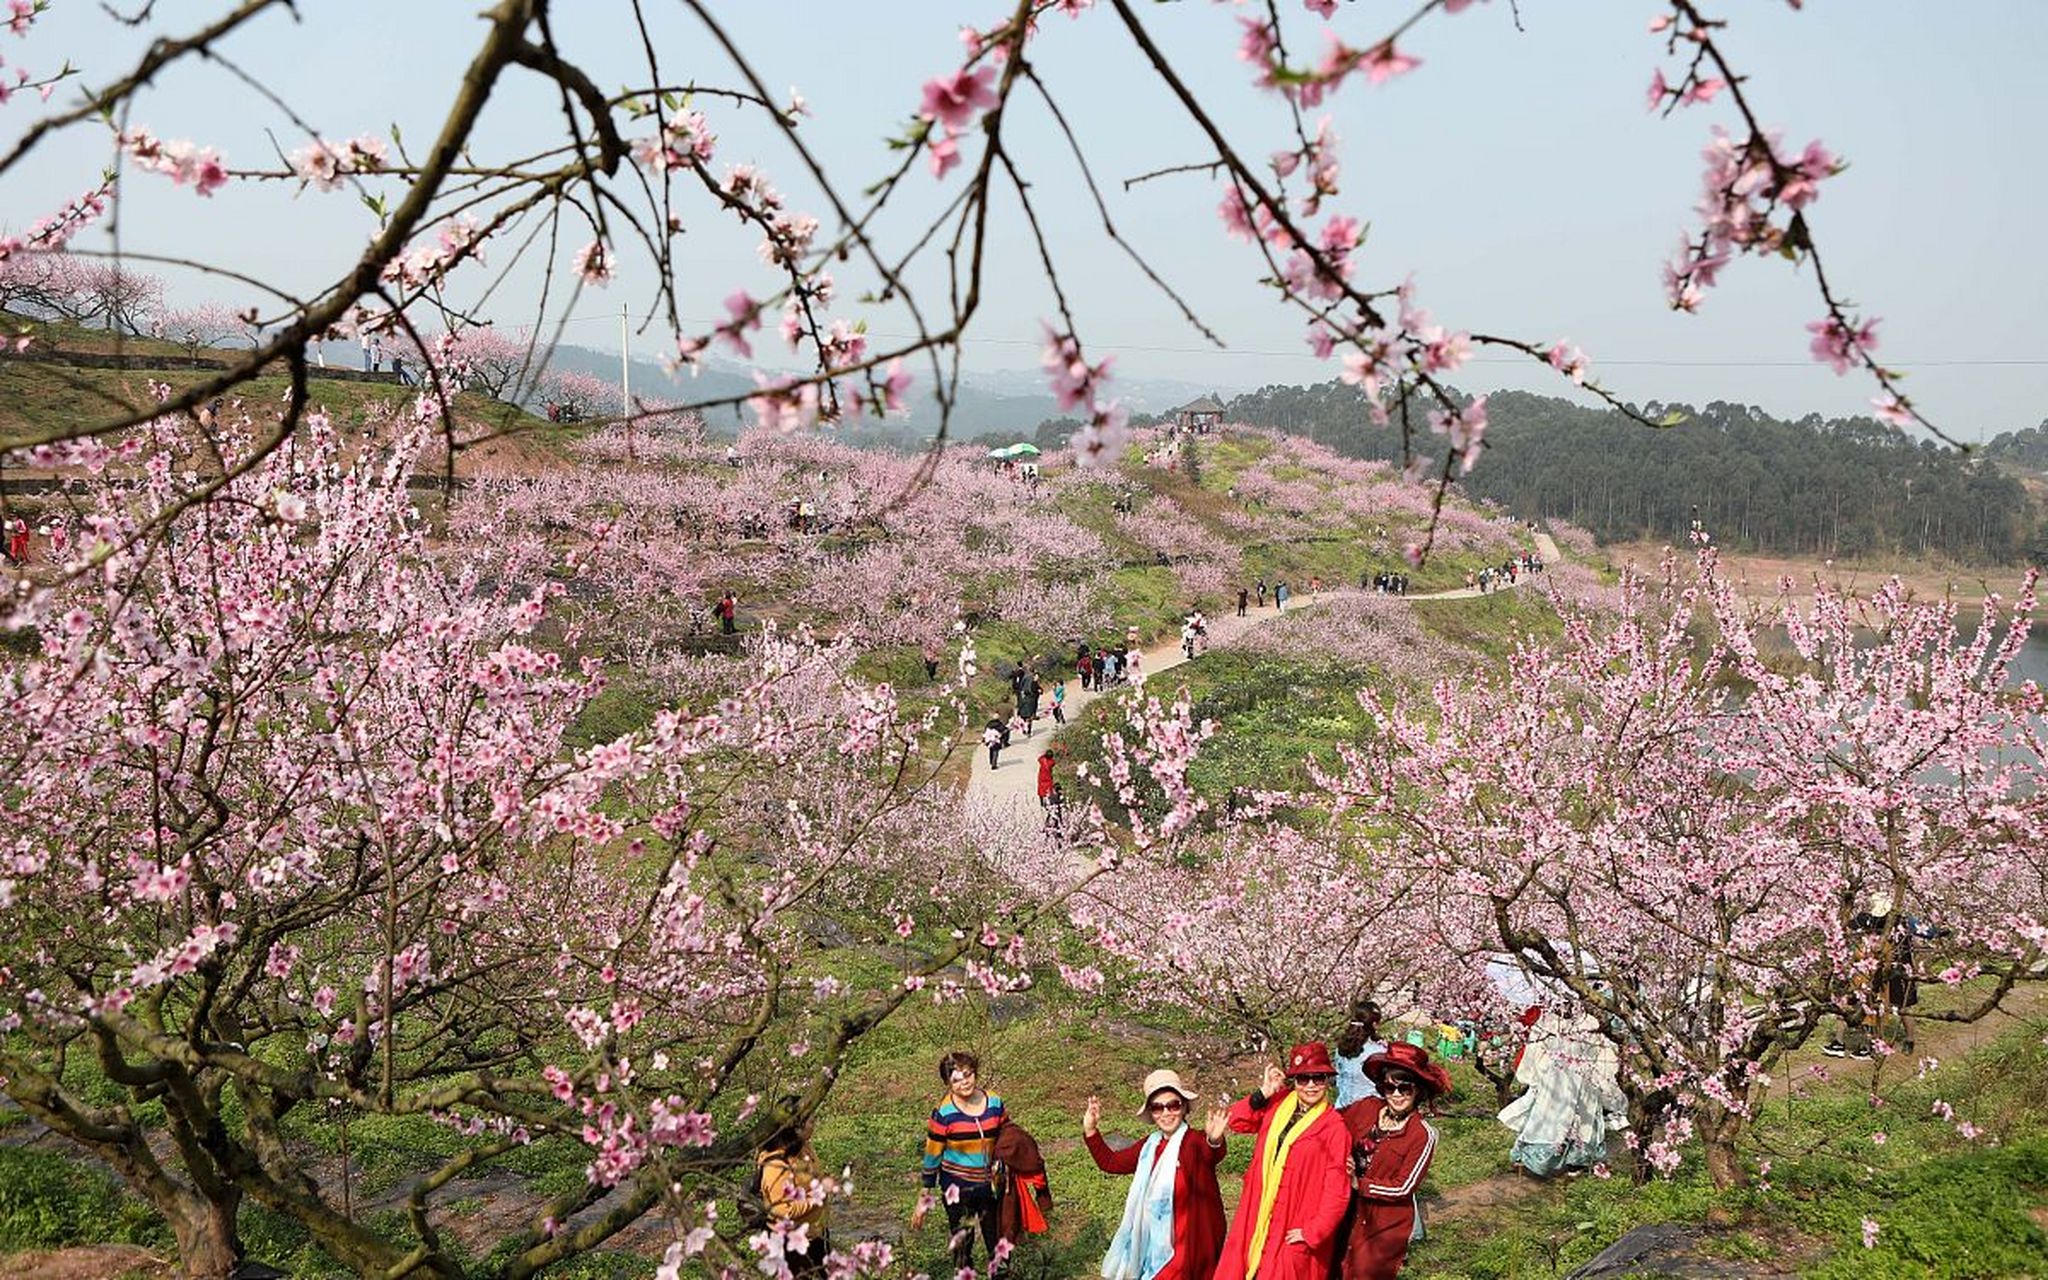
(1391, 1147)
(1172, 1228)
(1299, 1184)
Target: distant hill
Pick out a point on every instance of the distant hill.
(1849, 487)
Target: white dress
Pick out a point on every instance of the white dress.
(1574, 1096)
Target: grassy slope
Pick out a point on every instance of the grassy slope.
(37, 397)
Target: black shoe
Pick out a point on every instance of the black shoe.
(1861, 1055)
(1834, 1049)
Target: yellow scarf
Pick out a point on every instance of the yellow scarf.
(1272, 1160)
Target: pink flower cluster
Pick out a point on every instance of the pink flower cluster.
(323, 164)
(181, 161)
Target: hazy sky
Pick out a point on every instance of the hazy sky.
(1516, 175)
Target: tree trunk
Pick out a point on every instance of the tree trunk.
(1719, 1131)
(208, 1247)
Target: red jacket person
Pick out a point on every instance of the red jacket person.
(1174, 1187)
(1391, 1147)
(1298, 1185)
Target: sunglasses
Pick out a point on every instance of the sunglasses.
(1395, 1085)
(1170, 1104)
(1302, 1081)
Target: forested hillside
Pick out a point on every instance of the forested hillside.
(1844, 487)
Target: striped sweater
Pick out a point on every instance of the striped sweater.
(958, 1147)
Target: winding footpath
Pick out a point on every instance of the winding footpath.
(1015, 779)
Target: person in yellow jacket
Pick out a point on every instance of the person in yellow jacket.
(793, 1191)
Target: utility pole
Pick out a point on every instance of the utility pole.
(626, 378)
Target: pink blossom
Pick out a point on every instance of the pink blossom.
(1659, 89)
(1870, 1230)
(1568, 360)
(956, 100)
(594, 264)
(1838, 346)
(944, 154)
(1258, 42)
(1381, 63)
(1703, 90)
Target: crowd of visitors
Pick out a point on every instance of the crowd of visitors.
(1330, 1193)
(1507, 573)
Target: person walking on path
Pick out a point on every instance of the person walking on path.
(995, 737)
(1028, 693)
(1048, 789)
(728, 611)
(959, 1158)
(1172, 1224)
(1262, 593)
(1059, 703)
(1187, 639)
(1243, 598)
(1298, 1185)
(1391, 1149)
(1280, 597)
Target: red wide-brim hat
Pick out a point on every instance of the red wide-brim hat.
(1415, 1060)
(1311, 1059)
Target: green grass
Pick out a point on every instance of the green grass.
(50, 1199)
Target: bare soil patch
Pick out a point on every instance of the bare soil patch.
(1759, 576)
(90, 1262)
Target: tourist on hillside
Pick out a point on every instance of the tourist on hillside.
(1391, 1148)
(1315, 588)
(1028, 693)
(1360, 1041)
(959, 1158)
(1262, 593)
(1243, 598)
(1574, 1095)
(1298, 1186)
(791, 1186)
(1187, 639)
(728, 612)
(1059, 703)
(1280, 596)
(1134, 668)
(17, 540)
(929, 652)
(1048, 788)
(995, 736)
(1172, 1224)
(1084, 668)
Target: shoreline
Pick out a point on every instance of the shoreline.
(1757, 575)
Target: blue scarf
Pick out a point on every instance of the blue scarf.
(1143, 1243)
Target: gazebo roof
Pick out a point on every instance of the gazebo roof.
(1201, 404)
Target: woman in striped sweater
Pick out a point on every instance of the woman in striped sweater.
(959, 1143)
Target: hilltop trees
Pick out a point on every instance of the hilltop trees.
(1847, 487)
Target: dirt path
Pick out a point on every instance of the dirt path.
(1014, 778)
